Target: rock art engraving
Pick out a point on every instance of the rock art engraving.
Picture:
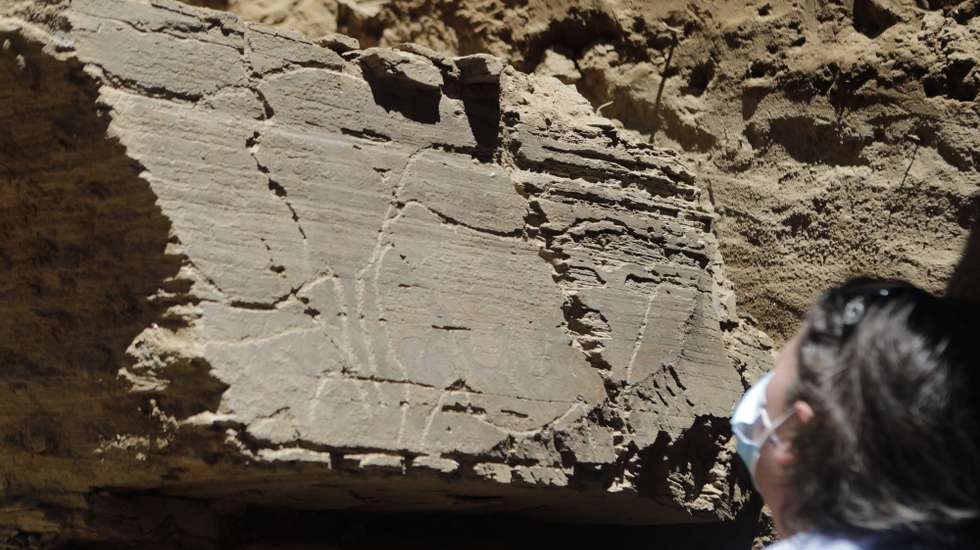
(834, 138)
(435, 270)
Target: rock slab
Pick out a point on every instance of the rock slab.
(245, 268)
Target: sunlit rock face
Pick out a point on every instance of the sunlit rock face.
(836, 138)
(247, 269)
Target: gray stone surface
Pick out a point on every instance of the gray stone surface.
(339, 43)
(443, 273)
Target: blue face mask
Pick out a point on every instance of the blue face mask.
(752, 426)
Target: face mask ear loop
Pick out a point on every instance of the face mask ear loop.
(773, 426)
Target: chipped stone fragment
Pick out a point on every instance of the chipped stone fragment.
(479, 68)
(408, 69)
(428, 53)
(294, 455)
(337, 42)
(379, 461)
(540, 475)
(500, 473)
(439, 464)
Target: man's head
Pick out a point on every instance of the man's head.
(881, 388)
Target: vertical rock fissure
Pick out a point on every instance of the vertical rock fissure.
(253, 144)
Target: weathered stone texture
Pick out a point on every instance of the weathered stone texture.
(243, 268)
(836, 138)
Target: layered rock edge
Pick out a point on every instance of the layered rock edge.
(242, 267)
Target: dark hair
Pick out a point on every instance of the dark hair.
(891, 373)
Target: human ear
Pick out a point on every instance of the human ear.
(784, 454)
(802, 411)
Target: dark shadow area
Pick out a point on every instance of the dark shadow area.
(693, 455)
(481, 103)
(651, 482)
(492, 531)
(212, 4)
(751, 97)
(872, 18)
(698, 79)
(952, 81)
(965, 282)
(580, 29)
(937, 4)
(414, 104)
(281, 528)
(84, 269)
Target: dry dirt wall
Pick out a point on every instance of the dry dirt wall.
(834, 138)
(245, 269)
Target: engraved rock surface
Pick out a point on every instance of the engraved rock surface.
(835, 138)
(242, 268)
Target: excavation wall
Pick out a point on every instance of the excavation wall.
(242, 269)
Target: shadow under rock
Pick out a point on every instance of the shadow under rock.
(481, 104)
(419, 105)
(965, 282)
(83, 266)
